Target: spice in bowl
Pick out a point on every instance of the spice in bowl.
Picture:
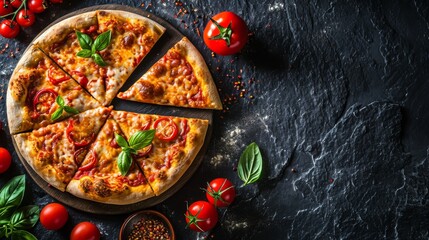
(150, 229)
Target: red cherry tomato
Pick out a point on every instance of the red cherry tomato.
(85, 230)
(25, 18)
(16, 3)
(9, 28)
(36, 6)
(5, 8)
(5, 160)
(226, 33)
(201, 216)
(166, 129)
(53, 216)
(220, 192)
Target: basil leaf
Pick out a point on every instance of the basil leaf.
(22, 235)
(60, 101)
(250, 164)
(2, 231)
(141, 139)
(85, 41)
(84, 53)
(70, 110)
(124, 162)
(6, 211)
(98, 60)
(57, 114)
(25, 217)
(121, 141)
(102, 41)
(12, 192)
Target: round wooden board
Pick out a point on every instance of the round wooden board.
(168, 39)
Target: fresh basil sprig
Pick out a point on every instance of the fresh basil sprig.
(137, 141)
(91, 48)
(57, 114)
(13, 220)
(250, 164)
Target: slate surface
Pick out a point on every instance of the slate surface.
(339, 110)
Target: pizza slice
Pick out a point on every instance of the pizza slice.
(55, 151)
(175, 146)
(180, 78)
(102, 52)
(99, 178)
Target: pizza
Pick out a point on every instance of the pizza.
(132, 37)
(180, 78)
(59, 115)
(33, 89)
(177, 142)
(99, 179)
(54, 151)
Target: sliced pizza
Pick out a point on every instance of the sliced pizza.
(101, 53)
(180, 78)
(175, 146)
(55, 151)
(34, 88)
(99, 178)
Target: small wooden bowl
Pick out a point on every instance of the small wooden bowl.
(127, 226)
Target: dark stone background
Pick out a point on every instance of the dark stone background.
(340, 96)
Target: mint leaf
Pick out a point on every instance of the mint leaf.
(102, 41)
(250, 164)
(141, 139)
(84, 53)
(85, 41)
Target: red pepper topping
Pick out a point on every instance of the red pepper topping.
(57, 76)
(82, 143)
(184, 131)
(166, 129)
(145, 151)
(78, 157)
(91, 164)
(38, 100)
(83, 80)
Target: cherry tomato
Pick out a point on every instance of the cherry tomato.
(53, 216)
(9, 28)
(5, 160)
(25, 18)
(220, 192)
(201, 216)
(36, 6)
(5, 8)
(85, 230)
(16, 3)
(56, 1)
(166, 129)
(226, 33)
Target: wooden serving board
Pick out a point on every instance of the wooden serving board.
(169, 38)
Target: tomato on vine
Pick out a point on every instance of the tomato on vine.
(36, 6)
(5, 8)
(9, 28)
(220, 192)
(201, 216)
(226, 33)
(25, 18)
(16, 3)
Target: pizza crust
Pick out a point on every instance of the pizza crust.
(156, 27)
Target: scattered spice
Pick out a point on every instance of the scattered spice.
(149, 229)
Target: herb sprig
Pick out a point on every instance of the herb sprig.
(137, 141)
(91, 48)
(63, 107)
(250, 164)
(14, 220)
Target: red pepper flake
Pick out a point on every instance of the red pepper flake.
(331, 180)
(198, 32)
(148, 228)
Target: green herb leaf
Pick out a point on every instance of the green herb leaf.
(70, 110)
(60, 101)
(12, 192)
(22, 235)
(3, 230)
(25, 217)
(85, 41)
(102, 41)
(57, 114)
(124, 162)
(98, 60)
(250, 164)
(84, 53)
(121, 141)
(141, 139)
(6, 211)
